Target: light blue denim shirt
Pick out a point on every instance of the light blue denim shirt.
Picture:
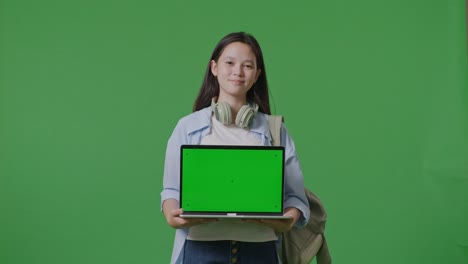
(192, 128)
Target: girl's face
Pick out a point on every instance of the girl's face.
(236, 70)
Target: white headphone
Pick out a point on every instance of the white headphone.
(222, 111)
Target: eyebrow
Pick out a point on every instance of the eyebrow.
(232, 58)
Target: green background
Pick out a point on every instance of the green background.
(374, 94)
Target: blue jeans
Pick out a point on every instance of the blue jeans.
(227, 251)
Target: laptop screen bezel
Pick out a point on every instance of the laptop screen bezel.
(240, 147)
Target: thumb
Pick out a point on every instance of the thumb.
(177, 212)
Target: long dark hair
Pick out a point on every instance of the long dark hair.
(210, 87)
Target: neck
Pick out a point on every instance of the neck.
(235, 102)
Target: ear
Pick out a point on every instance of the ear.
(214, 68)
(258, 75)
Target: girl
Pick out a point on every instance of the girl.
(231, 109)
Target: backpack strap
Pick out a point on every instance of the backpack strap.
(274, 122)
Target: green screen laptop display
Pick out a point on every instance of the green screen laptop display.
(231, 181)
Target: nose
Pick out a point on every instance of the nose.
(238, 70)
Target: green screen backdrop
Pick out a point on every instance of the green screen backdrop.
(374, 93)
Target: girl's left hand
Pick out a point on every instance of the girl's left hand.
(278, 225)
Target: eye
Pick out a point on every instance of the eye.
(229, 62)
(248, 66)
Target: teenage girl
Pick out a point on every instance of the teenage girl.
(231, 109)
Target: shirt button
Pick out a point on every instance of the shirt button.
(234, 250)
(234, 260)
(234, 242)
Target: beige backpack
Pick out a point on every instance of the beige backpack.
(301, 245)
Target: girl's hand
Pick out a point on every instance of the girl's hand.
(172, 213)
(174, 220)
(279, 225)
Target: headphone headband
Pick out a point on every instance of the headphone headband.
(222, 111)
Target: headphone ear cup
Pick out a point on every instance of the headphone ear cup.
(244, 116)
(222, 112)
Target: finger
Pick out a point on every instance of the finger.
(198, 221)
(253, 221)
(272, 221)
(210, 220)
(278, 225)
(181, 222)
(177, 212)
(279, 221)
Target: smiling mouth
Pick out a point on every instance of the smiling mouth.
(237, 82)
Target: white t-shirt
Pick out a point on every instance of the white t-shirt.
(230, 229)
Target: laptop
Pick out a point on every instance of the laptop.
(226, 181)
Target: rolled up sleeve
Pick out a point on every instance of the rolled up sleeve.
(172, 166)
(294, 180)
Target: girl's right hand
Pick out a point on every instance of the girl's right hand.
(174, 220)
(172, 212)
